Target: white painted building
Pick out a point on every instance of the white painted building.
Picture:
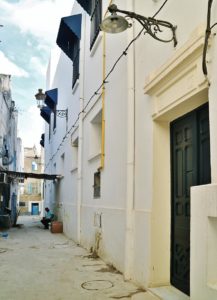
(130, 152)
(20, 166)
(10, 151)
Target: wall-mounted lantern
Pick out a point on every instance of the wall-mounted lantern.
(116, 23)
(40, 98)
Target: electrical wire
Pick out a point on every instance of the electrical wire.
(157, 12)
(124, 53)
(96, 93)
(207, 35)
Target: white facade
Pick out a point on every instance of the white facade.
(20, 166)
(8, 124)
(129, 225)
(10, 147)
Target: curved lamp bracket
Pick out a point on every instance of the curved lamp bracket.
(152, 26)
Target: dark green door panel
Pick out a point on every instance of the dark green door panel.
(204, 147)
(190, 155)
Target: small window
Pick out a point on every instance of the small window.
(76, 58)
(96, 19)
(96, 186)
(22, 203)
(34, 166)
(29, 188)
(35, 188)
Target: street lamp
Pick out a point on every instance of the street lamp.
(40, 97)
(152, 26)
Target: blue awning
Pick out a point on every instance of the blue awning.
(51, 98)
(86, 4)
(45, 113)
(69, 33)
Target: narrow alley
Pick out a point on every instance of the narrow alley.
(36, 264)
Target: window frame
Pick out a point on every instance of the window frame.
(95, 19)
(97, 185)
(76, 63)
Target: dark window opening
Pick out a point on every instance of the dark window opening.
(54, 117)
(76, 59)
(49, 131)
(97, 185)
(96, 19)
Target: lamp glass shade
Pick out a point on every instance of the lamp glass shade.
(114, 24)
(40, 97)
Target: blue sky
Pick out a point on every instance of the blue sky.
(29, 33)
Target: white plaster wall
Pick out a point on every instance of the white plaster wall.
(20, 165)
(65, 189)
(57, 195)
(150, 55)
(142, 247)
(212, 76)
(203, 242)
(6, 124)
(113, 176)
(149, 267)
(113, 238)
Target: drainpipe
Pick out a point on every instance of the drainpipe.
(130, 190)
(103, 96)
(103, 105)
(80, 128)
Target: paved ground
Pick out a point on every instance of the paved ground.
(36, 264)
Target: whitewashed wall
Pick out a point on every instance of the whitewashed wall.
(135, 226)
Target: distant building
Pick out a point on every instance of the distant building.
(31, 196)
(20, 167)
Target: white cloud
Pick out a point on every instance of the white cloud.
(10, 68)
(31, 133)
(29, 43)
(43, 47)
(37, 65)
(41, 18)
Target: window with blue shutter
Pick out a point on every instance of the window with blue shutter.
(96, 19)
(68, 39)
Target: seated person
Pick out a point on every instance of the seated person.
(47, 218)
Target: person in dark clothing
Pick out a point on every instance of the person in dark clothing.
(47, 218)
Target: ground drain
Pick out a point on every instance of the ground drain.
(95, 285)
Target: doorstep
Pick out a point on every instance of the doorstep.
(169, 293)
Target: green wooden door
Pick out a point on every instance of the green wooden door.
(190, 154)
